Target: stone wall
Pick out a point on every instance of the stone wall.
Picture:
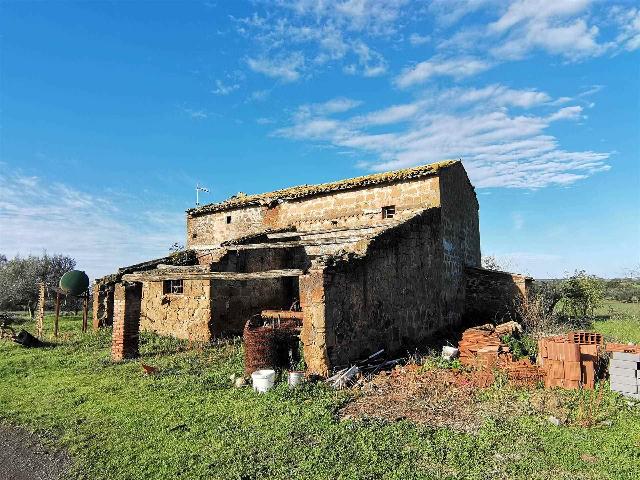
(390, 298)
(102, 305)
(185, 315)
(460, 237)
(349, 208)
(492, 296)
(235, 301)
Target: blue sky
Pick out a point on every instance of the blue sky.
(111, 112)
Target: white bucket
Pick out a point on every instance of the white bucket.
(295, 378)
(449, 353)
(263, 380)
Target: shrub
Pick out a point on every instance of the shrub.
(582, 294)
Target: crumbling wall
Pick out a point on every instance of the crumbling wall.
(492, 296)
(235, 301)
(185, 315)
(102, 305)
(391, 298)
(341, 209)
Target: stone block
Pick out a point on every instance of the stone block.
(622, 372)
(626, 357)
(627, 365)
(621, 387)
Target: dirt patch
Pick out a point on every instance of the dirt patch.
(437, 397)
(23, 456)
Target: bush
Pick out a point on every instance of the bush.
(582, 294)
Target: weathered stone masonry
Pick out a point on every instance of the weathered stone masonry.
(381, 261)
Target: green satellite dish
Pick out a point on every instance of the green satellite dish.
(74, 282)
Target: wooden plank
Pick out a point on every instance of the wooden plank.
(184, 268)
(154, 276)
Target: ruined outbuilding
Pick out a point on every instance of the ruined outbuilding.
(379, 261)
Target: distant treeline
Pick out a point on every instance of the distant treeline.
(19, 278)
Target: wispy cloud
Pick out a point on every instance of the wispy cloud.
(499, 147)
(225, 89)
(98, 231)
(439, 66)
(286, 69)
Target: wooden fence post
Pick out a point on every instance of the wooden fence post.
(40, 312)
(55, 323)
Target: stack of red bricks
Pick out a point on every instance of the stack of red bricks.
(569, 361)
(481, 346)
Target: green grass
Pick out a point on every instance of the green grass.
(188, 422)
(618, 321)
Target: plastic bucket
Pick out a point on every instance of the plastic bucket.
(263, 380)
(295, 378)
(449, 353)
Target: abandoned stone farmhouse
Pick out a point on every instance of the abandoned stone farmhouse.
(379, 261)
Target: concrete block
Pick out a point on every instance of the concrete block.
(623, 380)
(622, 372)
(624, 364)
(627, 357)
(635, 396)
(621, 387)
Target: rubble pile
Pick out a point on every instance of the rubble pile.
(482, 348)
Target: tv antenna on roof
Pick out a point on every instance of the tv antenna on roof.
(198, 190)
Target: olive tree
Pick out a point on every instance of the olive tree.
(582, 294)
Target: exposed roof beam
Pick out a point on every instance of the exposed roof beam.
(157, 275)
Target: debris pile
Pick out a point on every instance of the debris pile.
(570, 361)
(482, 348)
(624, 369)
(361, 370)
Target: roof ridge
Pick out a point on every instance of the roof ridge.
(306, 190)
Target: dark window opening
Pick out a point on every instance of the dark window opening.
(228, 218)
(388, 211)
(173, 287)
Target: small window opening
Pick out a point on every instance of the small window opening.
(173, 287)
(388, 211)
(228, 218)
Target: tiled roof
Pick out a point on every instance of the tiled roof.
(310, 190)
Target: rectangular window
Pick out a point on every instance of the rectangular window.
(172, 287)
(228, 218)
(388, 211)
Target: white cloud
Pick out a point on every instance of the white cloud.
(496, 94)
(417, 39)
(225, 89)
(393, 114)
(628, 21)
(566, 113)
(438, 66)
(335, 105)
(100, 233)
(286, 69)
(499, 148)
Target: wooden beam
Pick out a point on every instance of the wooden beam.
(156, 276)
(184, 268)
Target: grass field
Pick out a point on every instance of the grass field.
(188, 422)
(619, 321)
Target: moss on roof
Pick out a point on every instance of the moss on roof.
(310, 190)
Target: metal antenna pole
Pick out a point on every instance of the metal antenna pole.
(198, 190)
